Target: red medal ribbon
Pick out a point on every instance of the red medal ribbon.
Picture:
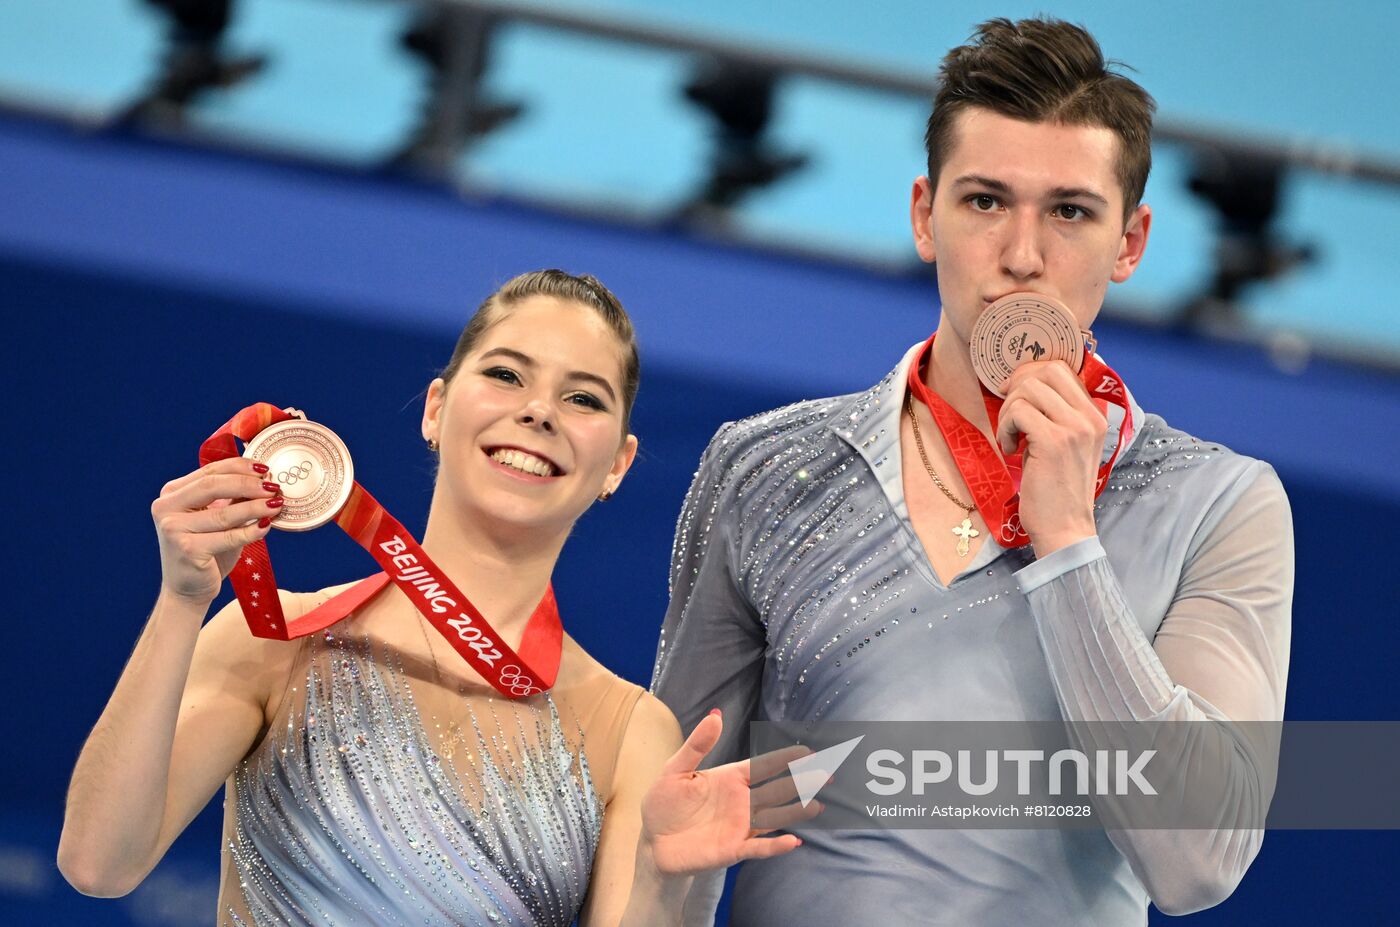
(995, 482)
(531, 671)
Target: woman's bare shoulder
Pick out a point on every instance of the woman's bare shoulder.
(229, 648)
(610, 698)
(585, 669)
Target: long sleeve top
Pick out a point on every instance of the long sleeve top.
(800, 592)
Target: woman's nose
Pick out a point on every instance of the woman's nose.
(537, 413)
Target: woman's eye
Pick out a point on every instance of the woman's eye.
(504, 374)
(586, 400)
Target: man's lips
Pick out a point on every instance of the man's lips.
(993, 299)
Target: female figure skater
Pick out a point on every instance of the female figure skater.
(374, 777)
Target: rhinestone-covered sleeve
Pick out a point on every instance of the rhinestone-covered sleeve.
(711, 647)
(1220, 656)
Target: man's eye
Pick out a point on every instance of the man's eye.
(984, 202)
(1070, 211)
(504, 374)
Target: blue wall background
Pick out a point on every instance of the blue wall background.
(150, 290)
(606, 125)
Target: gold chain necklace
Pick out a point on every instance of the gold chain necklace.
(964, 531)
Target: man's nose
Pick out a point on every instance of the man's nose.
(1023, 254)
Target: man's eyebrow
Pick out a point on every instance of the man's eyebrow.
(979, 181)
(1073, 193)
(1058, 193)
(526, 360)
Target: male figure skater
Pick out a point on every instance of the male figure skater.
(844, 559)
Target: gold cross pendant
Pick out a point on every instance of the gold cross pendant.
(965, 533)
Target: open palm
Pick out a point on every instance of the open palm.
(707, 819)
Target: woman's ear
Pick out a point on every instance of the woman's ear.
(432, 409)
(621, 464)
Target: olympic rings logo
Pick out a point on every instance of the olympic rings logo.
(1011, 529)
(520, 684)
(292, 474)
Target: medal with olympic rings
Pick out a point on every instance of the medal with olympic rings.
(311, 465)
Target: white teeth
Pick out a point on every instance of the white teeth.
(519, 460)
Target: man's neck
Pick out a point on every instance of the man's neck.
(950, 375)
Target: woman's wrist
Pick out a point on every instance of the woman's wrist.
(176, 605)
(658, 897)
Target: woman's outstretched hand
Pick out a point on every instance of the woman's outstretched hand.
(694, 820)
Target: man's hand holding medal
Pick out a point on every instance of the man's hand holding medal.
(1029, 350)
(1063, 445)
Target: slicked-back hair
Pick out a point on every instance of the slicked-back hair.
(1044, 70)
(583, 289)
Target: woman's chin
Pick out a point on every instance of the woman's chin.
(515, 516)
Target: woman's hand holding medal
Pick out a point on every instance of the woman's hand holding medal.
(205, 518)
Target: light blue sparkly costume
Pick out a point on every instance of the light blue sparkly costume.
(800, 592)
(351, 813)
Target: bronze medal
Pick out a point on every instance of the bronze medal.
(1021, 328)
(311, 464)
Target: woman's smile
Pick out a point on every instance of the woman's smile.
(521, 464)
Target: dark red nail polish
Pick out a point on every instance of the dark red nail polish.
(259, 468)
(264, 522)
(272, 487)
(276, 502)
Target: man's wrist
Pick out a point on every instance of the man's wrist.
(1046, 544)
(1057, 563)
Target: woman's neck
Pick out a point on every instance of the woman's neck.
(505, 576)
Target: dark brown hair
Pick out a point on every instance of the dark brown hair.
(584, 290)
(1044, 70)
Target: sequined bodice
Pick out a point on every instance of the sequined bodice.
(383, 797)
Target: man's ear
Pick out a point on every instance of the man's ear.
(1134, 243)
(921, 218)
